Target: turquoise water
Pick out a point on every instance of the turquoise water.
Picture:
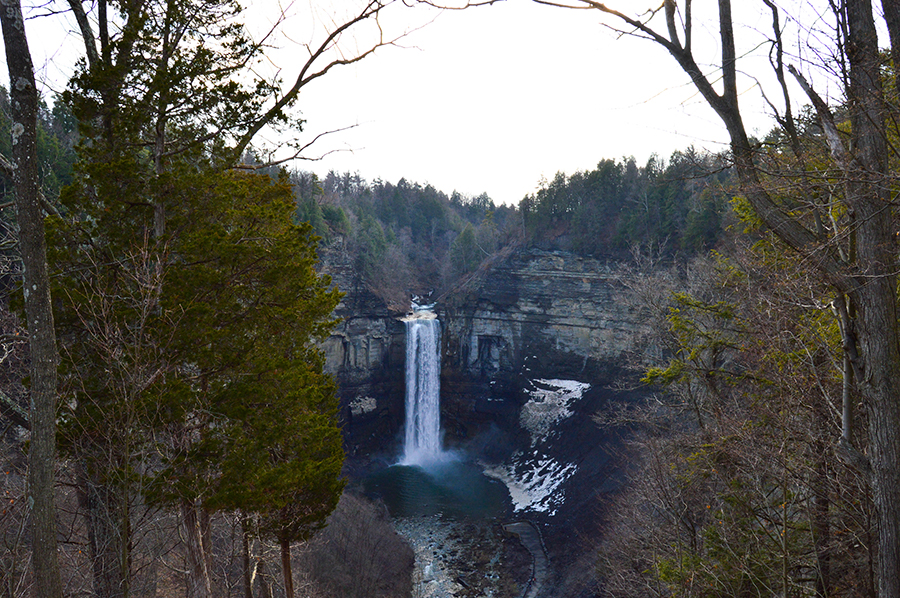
(454, 489)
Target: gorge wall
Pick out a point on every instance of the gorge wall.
(528, 314)
(366, 354)
(535, 345)
(535, 314)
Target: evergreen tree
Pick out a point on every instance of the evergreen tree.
(182, 280)
(465, 256)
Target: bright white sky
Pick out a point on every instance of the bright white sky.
(493, 99)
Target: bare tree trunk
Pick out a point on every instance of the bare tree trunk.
(870, 281)
(38, 311)
(198, 580)
(892, 20)
(876, 297)
(286, 568)
(107, 537)
(245, 556)
(821, 503)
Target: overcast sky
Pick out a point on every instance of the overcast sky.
(491, 99)
(495, 98)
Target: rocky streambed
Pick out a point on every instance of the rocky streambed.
(465, 559)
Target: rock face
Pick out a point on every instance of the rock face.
(528, 315)
(534, 346)
(539, 305)
(366, 354)
(533, 314)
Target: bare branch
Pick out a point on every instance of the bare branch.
(840, 154)
(670, 22)
(298, 153)
(450, 6)
(14, 337)
(310, 72)
(87, 34)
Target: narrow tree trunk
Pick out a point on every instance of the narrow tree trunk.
(821, 520)
(245, 555)
(205, 519)
(265, 589)
(892, 20)
(106, 538)
(872, 284)
(878, 340)
(286, 568)
(876, 297)
(198, 580)
(41, 335)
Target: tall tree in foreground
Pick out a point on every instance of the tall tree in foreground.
(856, 253)
(193, 366)
(169, 98)
(252, 422)
(284, 423)
(38, 311)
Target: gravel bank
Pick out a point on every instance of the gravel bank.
(462, 559)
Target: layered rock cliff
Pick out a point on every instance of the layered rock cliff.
(526, 315)
(534, 314)
(537, 344)
(555, 307)
(534, 346)
(366, 355)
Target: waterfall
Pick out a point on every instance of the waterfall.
(422, 442)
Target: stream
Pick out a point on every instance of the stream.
(449, 511)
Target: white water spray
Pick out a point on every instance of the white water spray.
(422, 443)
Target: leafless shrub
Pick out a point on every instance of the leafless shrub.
(359, 555)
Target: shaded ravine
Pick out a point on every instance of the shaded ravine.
(540, 569)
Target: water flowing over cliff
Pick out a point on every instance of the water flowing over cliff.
(533, 347)
(422, 428)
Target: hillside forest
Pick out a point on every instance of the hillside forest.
(182, 268)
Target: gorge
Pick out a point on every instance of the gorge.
(534, 346)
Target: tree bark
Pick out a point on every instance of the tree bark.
(198, 580)
(265, 589)
(38, 311)
(821, 502)
(108, 535)
(892, 20)
(870, 282)
(876, 294)
(286, 568)
(245, 558)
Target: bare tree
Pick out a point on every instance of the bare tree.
(39, 314)
(867, 275)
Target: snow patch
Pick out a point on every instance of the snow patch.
(535, 489)
(549, 405)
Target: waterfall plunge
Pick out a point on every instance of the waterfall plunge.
(422, 443)
(428, 480)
